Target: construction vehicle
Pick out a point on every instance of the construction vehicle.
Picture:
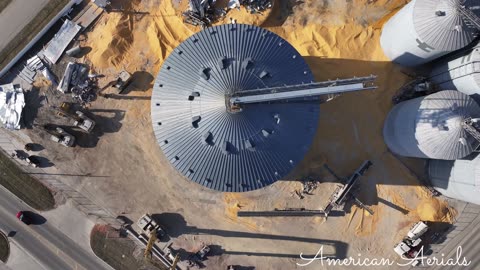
(148, 225)
(197, 258)
(60, 136)
(80, 120)
(410, 246)
(123, 80)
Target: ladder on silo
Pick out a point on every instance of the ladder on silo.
(471, 17)
(467, 124)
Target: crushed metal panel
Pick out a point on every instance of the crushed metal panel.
(59, 43)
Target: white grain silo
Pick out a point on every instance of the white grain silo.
(461, 72)
(431, 126)
(427, 29)
(458, 179)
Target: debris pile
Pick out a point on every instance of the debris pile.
(12, 102)
(76, 81)
(256, 6)
(202, 13)
(309, 185)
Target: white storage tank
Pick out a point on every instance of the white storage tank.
(431, 126)
(461, 72)
(424, 30)
(458, 179)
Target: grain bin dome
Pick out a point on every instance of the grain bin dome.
(460, 72)
(458, 179)
(431, 126)
(424, 30)
(208, 142)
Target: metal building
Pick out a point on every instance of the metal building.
(432, 126)
(235, 108)
(458, 179)
(461, 72)
(424, 30)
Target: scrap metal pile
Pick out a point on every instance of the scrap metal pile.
(77, 81)
(256, 6)
(201, 13)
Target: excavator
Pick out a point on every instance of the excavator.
(80, 120)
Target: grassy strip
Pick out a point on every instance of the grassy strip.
(4, 248)
(31, 30)
(4, 4)
(117, 250)
(25, 187)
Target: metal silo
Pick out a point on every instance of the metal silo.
(432, 126)
(458, 179)
(462, 72)
(427, 29)
(234, 107)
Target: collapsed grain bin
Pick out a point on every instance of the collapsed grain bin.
(432, 126)
(460, 72)
(234, 107)
(458, 179)
(424, 30)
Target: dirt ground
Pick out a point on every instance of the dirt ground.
(123, 168)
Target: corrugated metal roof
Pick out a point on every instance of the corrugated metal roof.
(448, 31)
(216, 148)
(438, 127)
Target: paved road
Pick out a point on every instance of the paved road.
(49, 247)
(16, 16)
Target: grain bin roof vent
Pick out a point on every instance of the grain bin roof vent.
(205, 74)
(249, 145)
(193, 95)
(208, 138)
(264, 74)
(196, 120)
(223, 63)
(247, 63)
(226, 148)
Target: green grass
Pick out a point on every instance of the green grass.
(30, 30)
(25, 187)
(4, 4)
(4, 247)
(117, 250)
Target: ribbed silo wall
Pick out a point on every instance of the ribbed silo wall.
(456, 179)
